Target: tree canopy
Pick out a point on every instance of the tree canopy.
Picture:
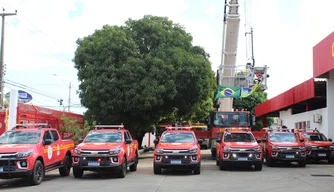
(143, 72)
(250, 103)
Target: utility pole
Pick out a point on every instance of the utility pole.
(3, 15)
(69, 96)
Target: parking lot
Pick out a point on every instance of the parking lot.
(315, 177)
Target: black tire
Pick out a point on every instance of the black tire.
(213, 154)
(156, 169)
(269, 161)
(217, 161)
(197, 170)
(331, 160)
(77, 172)
(123, 169)
(222, 165)
(38, 173)
(66, 169)
(258, 166)
(302, 163)
(133, 167)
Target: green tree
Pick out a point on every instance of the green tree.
(142, 73)
(72, 127)
(250, 103)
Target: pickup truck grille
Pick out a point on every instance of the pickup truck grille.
(175, 151)
(241, 150)
(90, 152)
(288, 148)
(8, 155)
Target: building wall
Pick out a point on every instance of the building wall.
(330, 103)
(291, 120)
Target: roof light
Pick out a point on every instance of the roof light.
(119, 127)
(237, 129)
(179, 128)
(32, 125)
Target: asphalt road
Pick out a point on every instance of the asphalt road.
(283, 178)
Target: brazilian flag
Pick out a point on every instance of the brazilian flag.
(228, 92)
(245, 92)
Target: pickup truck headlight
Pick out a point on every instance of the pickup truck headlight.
(226, 148)
(158, 150)
(24, 154)
(274, 147)
(114, 151)
(193, 150)
(332, 147)
(77, 151)
(257, 149)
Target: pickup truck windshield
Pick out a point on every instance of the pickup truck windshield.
(230, 119)
(177, 138)
(282, 137)
(239, 137)
(315, 137)
(20, 137)
(104, 137)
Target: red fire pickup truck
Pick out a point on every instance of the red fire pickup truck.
(28, 152)
(281, 145)
(107, 148)
(177, 148)
(318, 147)
(238, 146)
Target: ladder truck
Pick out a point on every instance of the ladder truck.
(230, 75)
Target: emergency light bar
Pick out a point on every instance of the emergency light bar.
(313, 130)
(119, 127)
(237, 129)
(179, 128)
(276, 129)
(31, 125)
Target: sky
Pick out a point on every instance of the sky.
(40, 39)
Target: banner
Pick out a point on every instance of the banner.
(228, 92)
(245, 92)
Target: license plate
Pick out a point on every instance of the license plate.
(242, 158)
(175, 161)
(290, 156)
(322, 154)
(93, 163)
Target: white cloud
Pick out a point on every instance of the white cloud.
(40, 40)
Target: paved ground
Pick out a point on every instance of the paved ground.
(288, 178)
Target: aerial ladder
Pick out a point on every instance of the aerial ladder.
(231, 75)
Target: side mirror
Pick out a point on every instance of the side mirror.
(209, 121)
(264, 140)
(259, 140)
(218, 140)
(80, 140)
(128, 141)
(47, 142)
(301, 140)
(156, 141)
(330, 140)
(200, 141)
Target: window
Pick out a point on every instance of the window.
(315, 137)
(103, 137)
(126, 136)
(20, 137)
(55, 135)
(47, 135)
(282, 137)
(238, 137)
(174, 137)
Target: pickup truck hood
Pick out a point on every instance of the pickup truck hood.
(286, 144)
(11, 148)
(171, 146)
(99, 146)
(241, 144)
(319, 143)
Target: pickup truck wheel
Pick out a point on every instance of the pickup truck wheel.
(66, 169)
(302, 163)
(123, 169)
(217, 161)
(222, 165)
(156, 169)
(331, 160)
(258, 166)
(197, 170)
(133, 167)
(77, 172)
(37, 173)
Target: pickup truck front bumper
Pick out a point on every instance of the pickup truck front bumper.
(96, 163)
(288, 155)
(184, 161)
(245, 158)
(14, 168)
(319, 154)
